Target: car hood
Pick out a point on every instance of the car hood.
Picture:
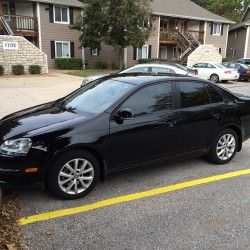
(36, 120)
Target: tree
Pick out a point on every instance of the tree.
(231, 9)
(118, 23)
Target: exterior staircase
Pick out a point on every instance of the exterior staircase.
(188, 43)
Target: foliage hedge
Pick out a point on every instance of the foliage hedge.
(99, 64)
(69, 63)
(148, 60)
(1, 70)
(18, 69)
(35, 69)
(114, 65)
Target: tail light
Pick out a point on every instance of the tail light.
(248, 71)
(228, 72)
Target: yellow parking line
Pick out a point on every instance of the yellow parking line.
(130, 197)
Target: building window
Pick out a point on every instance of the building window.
(62, 49)
(217, 27)
(94, 52)
(142, 52)
(61, 14)
(144, 24)
(219, 50)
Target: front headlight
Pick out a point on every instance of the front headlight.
(16, 147)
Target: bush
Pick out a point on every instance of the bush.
(1, 70)
(98, 64)
(35, 69)
(69, 63)
(18, 69)
(114, 65)
(148, 60)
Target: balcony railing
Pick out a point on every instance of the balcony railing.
(21, 25)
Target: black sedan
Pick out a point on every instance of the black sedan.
(243, 69)
(120, 122)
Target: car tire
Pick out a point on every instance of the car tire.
(214, 78)
(73, 175)
(224, 147)
(224, 81)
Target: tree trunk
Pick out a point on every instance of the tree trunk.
(121, 58)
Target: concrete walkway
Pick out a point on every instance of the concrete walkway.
(19, 92)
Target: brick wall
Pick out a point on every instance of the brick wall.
(26, 54)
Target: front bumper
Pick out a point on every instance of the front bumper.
(13, 171)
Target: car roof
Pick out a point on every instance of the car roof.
(142, 78)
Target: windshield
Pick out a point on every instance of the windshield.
(96, 96)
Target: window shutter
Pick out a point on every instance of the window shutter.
(51, 13)
(72, 49)
(52, 48)
(220, 50)
(221, 32)
(211, 31)
(149, 51)
(71, 15)
(134, 54)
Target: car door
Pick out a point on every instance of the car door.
(201, 109)
(201, 69)
(151, 135)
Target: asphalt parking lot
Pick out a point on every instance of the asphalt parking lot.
(173, 213)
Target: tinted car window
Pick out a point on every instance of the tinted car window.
(155, 98)
(215, 96)
(193, 94)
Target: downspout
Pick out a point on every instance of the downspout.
(83, 51)
(205, 33)
(158, 42)
(125, 59)
(39, 25)
(225, 53)
(246, 42)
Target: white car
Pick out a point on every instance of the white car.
(154, 68)
(216, 72)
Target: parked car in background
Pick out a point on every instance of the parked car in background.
(243, 69)
(119, 122)
(244, 61)
(216, 72)
(154, 68)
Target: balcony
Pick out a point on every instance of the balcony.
(22, 25)
(171, 36)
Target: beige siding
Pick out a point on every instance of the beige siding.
(57, 32)
(153, 41)
(107, 54)
(217, 40)
(247, 16)
(237, 43)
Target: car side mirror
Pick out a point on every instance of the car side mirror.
(124, 114)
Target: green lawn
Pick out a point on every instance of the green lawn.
(89, 72)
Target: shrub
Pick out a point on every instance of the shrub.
(68, 63)
(35, 69)
(148, 60)
(18, 69)
(1, 70)
(99, 64)
(114, 65)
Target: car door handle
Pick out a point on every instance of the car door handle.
(170, 123)
(216, 115)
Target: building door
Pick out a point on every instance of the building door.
(25, 22)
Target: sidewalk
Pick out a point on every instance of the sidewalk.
(21, 92)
